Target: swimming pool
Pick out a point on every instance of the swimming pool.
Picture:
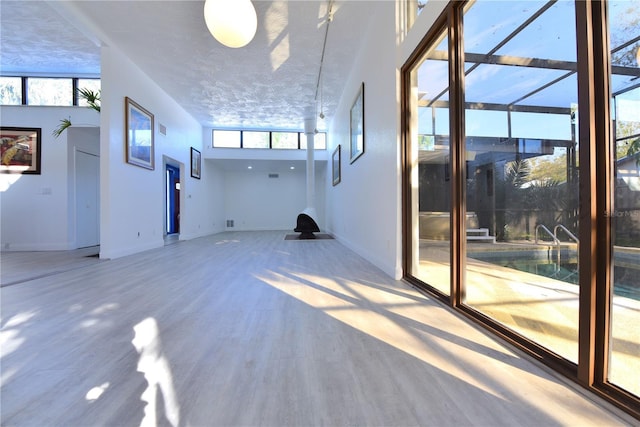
(562, 264)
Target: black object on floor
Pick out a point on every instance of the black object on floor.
(321, 236)
(306, 226)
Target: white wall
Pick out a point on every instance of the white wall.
(132, 198)
(34, 209)
(363, 211)
(256, 202)
(280, 200)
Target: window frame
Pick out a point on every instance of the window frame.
(300, 136)
(24, 88)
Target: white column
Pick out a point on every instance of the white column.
(310, 133)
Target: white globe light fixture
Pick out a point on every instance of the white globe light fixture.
(232, 22)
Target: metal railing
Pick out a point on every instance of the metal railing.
(554, 235)
(546, 230)
(557, 243)
(563, 228)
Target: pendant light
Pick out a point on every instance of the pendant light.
(232, 22)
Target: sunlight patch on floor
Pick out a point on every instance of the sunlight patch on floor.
(96, 392)
(155, 367)
(10, 339)
(358, 311)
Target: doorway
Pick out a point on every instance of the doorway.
(87, 184)
(172, 216)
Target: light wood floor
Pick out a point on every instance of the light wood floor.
(250, 329)
(543, 309)
(17, 267)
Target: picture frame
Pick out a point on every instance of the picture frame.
(335, 166)
(20, 150)
(356, 129)
(196, 163)
(139, 140)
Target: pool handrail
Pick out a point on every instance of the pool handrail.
(555, 239)
(563, 228)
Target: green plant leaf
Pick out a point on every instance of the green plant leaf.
(633, 149)
(64, 124)
(93, 101)
(92, 98)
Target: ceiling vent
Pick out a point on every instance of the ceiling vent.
(274, 175)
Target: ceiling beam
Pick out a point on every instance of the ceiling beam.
(521, 61)
(499, 107)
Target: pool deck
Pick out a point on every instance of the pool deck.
(542, 309)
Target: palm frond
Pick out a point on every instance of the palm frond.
(92, 97)
(633, 149)
(93, 101)
(64, 124)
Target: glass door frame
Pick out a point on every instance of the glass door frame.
(596, 194)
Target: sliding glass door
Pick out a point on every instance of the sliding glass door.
(521, 179)
(431, 177)
(521, 187)
(624, 341)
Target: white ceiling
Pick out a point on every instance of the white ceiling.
(270, 83)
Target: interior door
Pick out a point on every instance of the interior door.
(87, 199)
(173, 199)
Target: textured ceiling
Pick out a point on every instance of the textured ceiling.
(35, 39)
(270, 83)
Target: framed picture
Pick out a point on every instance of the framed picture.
(20, 150)
(196, 163)
(140, 132)
(357, 126)
(335, 165)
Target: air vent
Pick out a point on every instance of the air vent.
(229, 223)
(274, 175)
